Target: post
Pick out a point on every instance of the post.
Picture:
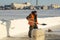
(36, 2)
(38, 34)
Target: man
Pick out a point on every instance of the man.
(32, 21)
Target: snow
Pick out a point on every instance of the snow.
(20, 27)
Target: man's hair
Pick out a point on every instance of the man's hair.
(34, 12)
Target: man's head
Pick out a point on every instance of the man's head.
(34, 12)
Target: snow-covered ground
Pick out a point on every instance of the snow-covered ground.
(20, 27)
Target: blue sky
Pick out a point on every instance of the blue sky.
(40, 2)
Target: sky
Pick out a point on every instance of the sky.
(33, 2)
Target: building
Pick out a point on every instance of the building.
(55, 6)
(1, 7)
(7, 7)
(38, 7)
(19, 6)
(44, 7)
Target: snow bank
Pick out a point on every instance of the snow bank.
(20, 27)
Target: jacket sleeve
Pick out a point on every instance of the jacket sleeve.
(29, 16)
